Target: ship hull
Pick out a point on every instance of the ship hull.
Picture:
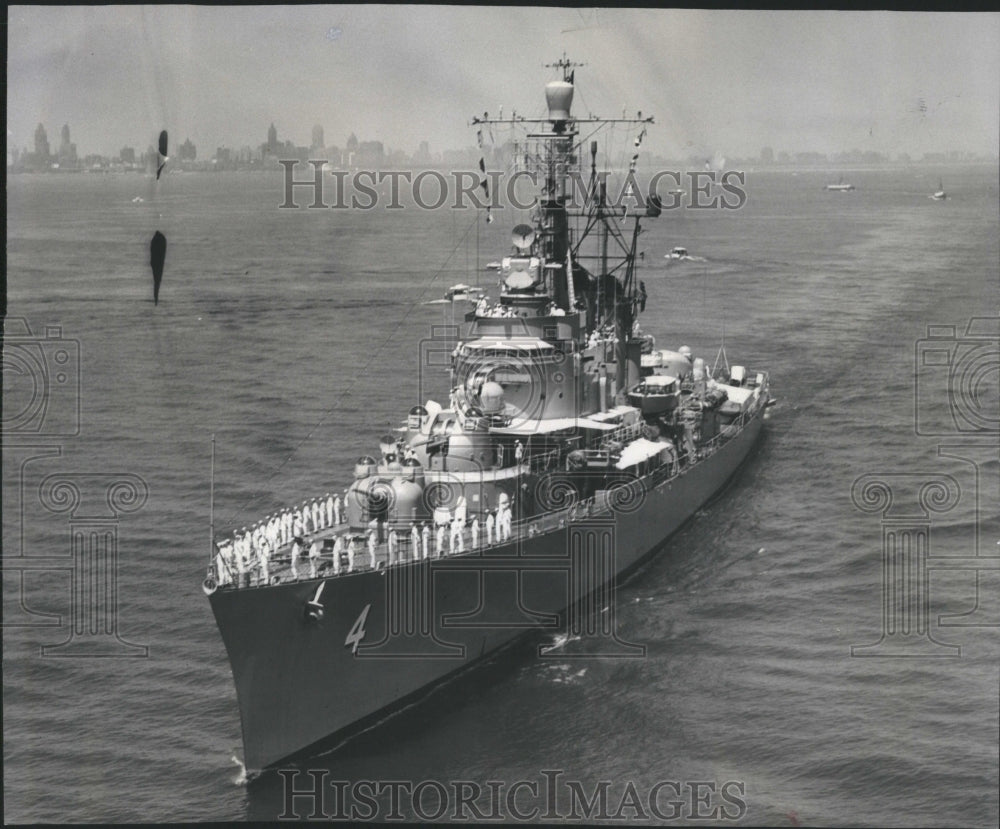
(387, 636)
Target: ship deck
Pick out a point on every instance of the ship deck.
(602, 503)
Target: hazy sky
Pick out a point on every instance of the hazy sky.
(727, 82)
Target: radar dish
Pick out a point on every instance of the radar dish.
(522, 236)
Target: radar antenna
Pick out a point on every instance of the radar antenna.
(566, 65)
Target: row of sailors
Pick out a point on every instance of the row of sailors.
(484, 309)
(597, 337)
(235, 565)
(279, 529)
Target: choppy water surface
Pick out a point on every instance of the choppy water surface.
(291, 336)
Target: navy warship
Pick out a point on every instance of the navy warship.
(568, 451)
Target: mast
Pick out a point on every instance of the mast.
(211, 505)
(568, 235)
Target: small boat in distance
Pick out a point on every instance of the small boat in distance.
(840, 186)
(940, 195)
(678, 253)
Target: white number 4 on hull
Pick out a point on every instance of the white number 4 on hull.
(357, 632)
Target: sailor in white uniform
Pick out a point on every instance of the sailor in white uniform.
(239, 549)
(475, 531)
(425, 534)
(297, 544)
(317, 521)
(504, 517)
(372, 544)
(271, 534)
(265, 558)
(241, 566)
(393, 546)
(490, 523)
(286, 526)
(329, 510)
(314, 550)
(223, 562)
(336, 509)
(338, 548)
(352, 552)
(415, 541)
(439, 539)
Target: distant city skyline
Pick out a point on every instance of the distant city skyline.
(372, 152)
(719, 83)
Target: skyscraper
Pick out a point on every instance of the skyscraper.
(41, 145)
(67, 150)
(272, 139)
(317, 141)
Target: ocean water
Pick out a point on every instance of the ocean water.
(292, 336)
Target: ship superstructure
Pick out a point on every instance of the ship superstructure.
(568, 450)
